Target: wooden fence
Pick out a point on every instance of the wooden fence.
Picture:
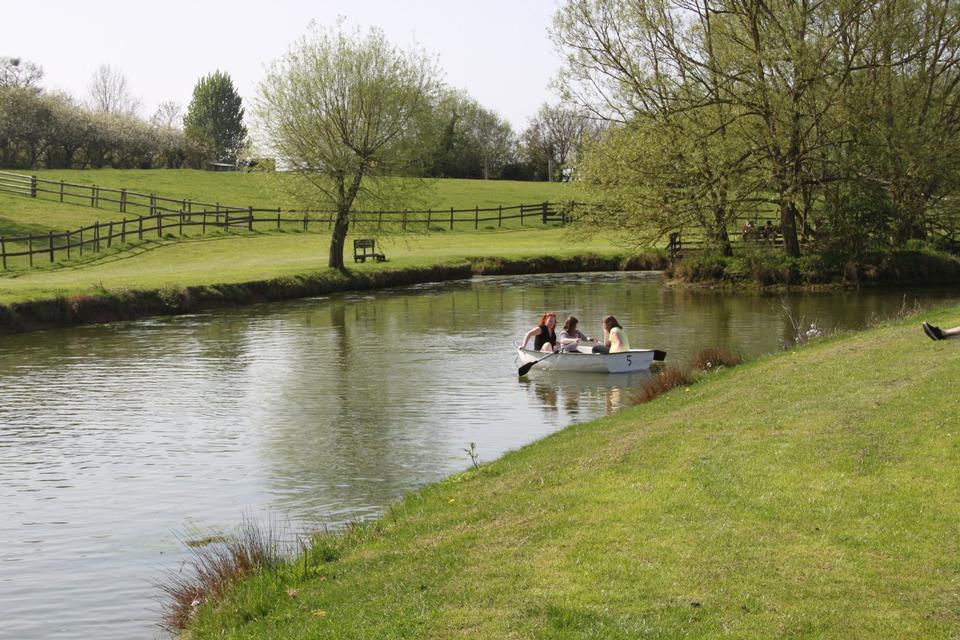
(679, 247)
(170, 216)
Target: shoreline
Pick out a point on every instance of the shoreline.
(111, 305)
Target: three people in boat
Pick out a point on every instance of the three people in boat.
(571, 338)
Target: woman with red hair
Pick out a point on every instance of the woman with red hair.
(544, 334)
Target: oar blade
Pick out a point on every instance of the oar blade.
(525, 369)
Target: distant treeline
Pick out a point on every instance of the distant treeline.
(40, 129)
(459, 138)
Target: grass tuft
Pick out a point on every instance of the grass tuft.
(213, 566)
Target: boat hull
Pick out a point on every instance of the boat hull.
(625, 362)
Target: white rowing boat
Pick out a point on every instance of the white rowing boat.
(585, 361)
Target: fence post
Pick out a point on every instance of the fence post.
(3, 252)
(51, 245)
(544, 213)
(123, 200)
(226, 221)
(159, 224)
(96, 236)
(429, 215)
(499, 215)
(110, 235)
(521, 215)
(61, 191)
(93, 190)
(69, 242)
(33, 186)
(305, 221)
(123, 231)
(278, 218)
(250, 219)
(81, 242)
(30, 248)
(203, 224)
(476, 218)
(96, 194)
(403, 223)
(153, 204)
(451, 218)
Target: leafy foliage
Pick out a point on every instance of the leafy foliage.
(215, 117)
(341, 110)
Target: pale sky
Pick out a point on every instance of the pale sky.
(497, 50)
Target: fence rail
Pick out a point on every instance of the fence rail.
(170, 216)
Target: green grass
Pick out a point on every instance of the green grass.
(258, 190)
(236, 258)
(811, 494)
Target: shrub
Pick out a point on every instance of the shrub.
(668, 378)
(713, 358)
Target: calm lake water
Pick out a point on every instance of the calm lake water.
(115, 439)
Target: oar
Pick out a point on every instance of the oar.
(522, 371)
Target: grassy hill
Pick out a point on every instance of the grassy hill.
(259, 190)
(811, 494)
(241, 257)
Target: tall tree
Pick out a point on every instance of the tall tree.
(763, 78)
(216, 113)
(110, 92)
(339, 109)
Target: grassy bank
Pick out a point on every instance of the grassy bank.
(237, 258)
(809, 494)
(767, 266)
(182, 276)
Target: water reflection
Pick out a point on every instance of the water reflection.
(574, 397)
(112, 437)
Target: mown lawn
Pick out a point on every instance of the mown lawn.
(235, 258)
(811, 494)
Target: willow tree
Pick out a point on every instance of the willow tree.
(339, 109)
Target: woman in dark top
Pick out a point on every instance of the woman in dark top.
(544, 334)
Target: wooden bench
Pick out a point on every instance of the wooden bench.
(364, 248)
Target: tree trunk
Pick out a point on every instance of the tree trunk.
(722, 237)
(338, 238)
(788, 226)
(345, 197)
